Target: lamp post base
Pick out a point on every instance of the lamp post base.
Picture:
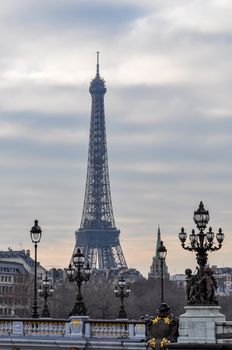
(122, 314)
(197, 324)
(45, 313)
(35, 313)
(79, 309)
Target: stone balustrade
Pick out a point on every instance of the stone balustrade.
(75, 332)
(42, 327)
(6, 327)
(85, 333)
(117, 329)
(74, 326)
(109, 329)
(224, 332)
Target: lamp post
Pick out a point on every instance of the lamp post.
(200, 288)
(201, 242)
(78, 272)
(162, 253)
(36, 234)
(122, 291)
(46, 290)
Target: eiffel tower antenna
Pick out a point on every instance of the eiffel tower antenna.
(98, 53)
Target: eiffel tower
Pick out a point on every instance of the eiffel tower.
(98, 237)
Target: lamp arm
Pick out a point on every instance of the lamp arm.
(208, 246)
(191, 249)
(86, 278)
(212, 249)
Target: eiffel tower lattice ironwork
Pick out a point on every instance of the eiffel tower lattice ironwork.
(98, 237)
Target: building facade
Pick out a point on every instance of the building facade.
(14, 289)
(17, 282)
(223, 276)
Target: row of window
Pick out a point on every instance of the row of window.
(9, 269)
(14, 301)
(6, 278)
(6, 289)
(12, 289)
(11, 279)
(5, 311)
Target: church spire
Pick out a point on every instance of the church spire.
(158, 241)
(155, 268)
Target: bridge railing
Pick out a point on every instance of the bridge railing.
(80, 327)
(100, 334)
(115, 329)
(224, 332)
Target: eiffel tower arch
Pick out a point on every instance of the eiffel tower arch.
(98, 237)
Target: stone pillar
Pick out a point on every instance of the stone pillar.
(137, 330)
(140, 330)
(18, 328)
(198, 324)
(77, 326)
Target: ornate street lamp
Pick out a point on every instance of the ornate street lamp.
(162, 253)
(201, 243)
(78, 272)
(45, 291)
(122, 291)
(36, 234)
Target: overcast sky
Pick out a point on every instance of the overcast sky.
(167, 67)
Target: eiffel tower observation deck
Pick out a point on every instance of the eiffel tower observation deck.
(98, 237)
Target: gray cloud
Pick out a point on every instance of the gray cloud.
(168, 113)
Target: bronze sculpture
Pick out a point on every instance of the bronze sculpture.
(201, 289)
(161, 328)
